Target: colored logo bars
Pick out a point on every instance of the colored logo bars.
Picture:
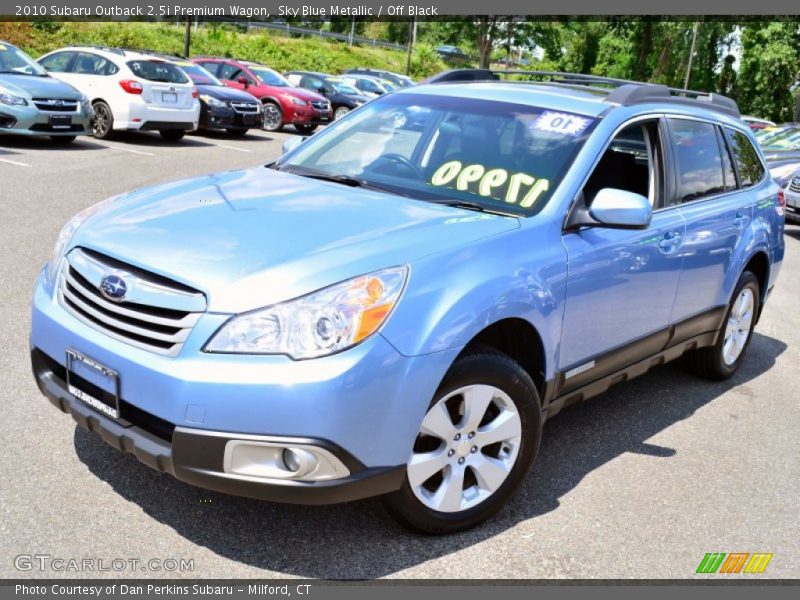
(735, 562)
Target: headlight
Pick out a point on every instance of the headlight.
(321, 323)
(68, 231)
(211, 101)
(299, 102)
(12, 100)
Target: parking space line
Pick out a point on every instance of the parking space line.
(124, 149)
(232, 148)
(14, 162)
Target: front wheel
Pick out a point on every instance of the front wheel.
(722, 360)
(475, 445)
(305, 129)
(172, 135)
(273, 117)
(340, 112)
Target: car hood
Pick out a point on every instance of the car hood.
(252, 238)
(38, 87)
(302, 94)
(349, 98)
(221, 92)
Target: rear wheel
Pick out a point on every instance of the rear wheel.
(103, 121)
(475, 445)
(273, 117)
(63, 139)
(722, 360)
(235, 132)
(172, 135)
(305, 129)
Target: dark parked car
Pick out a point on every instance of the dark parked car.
(283, 103)
(343, 96)
(396, 78)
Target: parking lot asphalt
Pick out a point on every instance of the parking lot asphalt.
(640, 482)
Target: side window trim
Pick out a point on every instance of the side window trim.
(725, 149)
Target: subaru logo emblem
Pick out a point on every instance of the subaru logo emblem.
(113, 287)
(59, 103)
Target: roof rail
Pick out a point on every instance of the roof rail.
(120, 51)
(166, 55)
(623, 91)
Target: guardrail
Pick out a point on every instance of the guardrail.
(292, 29)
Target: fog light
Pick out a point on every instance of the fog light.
(281, 460)
(299, 462)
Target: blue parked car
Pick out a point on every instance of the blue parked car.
(396, 305)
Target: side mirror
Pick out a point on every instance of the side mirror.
(613, 208)
(244, 81)
(291, 144)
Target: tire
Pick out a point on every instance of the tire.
(724, 358)
(273, 117)
(172, 135)
(492, 473)
(340, 112)
(237, 132)
(63, 139)
(102, 121)
(305, 129)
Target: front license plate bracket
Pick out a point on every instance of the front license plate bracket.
(102, 394)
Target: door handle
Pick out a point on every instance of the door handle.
(670, 241)
(740, 220)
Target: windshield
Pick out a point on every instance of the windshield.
(342, 87)
(496, 155)
(157, 70)
(198, 74)
(270, 77)
(13, 60)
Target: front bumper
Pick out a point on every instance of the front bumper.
(29, 120)
(196, 456)
(792, 205)
(227, 118)
(364, 404)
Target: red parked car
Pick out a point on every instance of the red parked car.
(284, 104)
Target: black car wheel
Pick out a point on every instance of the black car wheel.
(236, 132)
(103, 121)
(305, 129)
(273, 117)
(172, 135)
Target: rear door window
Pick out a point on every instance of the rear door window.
(90, 64)
(153, 70)
(58, 62)
(699, 159)
(229, 72)
(751, 171)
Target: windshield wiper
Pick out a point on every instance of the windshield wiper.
(341, 179)
(476, 207)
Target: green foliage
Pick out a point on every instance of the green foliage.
(425, 61)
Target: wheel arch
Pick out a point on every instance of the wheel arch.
(758, 264)
(519, 340)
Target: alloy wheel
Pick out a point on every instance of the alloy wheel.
(466, 448)
(737, 329)
(102, 121)
(272, 117)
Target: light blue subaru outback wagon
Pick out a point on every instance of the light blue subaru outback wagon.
(396, 305)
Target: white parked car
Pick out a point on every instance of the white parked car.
(128, 90)
(368, 86)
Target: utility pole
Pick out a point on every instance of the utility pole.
(187, 37)
(412, 39)
(352, 30)
(691, 55)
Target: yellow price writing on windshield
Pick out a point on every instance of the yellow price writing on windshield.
(489, 182)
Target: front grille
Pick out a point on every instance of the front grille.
(245, 107)
(321, 105)
(56, 104)
(795, 184)
(160, 329)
